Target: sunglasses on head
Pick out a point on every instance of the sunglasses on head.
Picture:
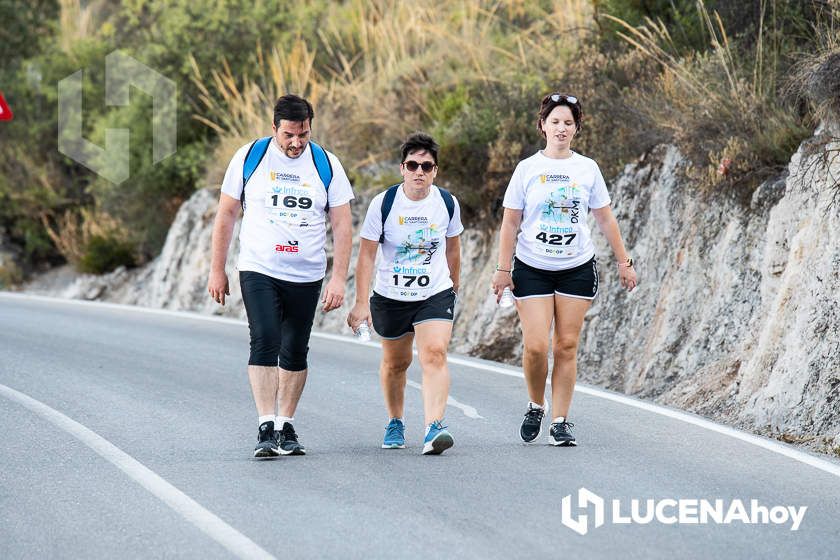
(558, 97)
(412, 165)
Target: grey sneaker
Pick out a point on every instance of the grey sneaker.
(561, 435)
(288, 441)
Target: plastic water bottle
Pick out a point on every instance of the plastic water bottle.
(506, 299)
(363, 332)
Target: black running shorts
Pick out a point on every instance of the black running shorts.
(280, 316)
(578, 282)
(394, 319)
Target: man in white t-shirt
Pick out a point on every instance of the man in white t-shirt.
(287, 186)
(418, 226)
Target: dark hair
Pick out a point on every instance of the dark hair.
(293, 108)
(418, 142)
(547, 105)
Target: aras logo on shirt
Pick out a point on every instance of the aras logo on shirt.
(414, 220)
(292, 247)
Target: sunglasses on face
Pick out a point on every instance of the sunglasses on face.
(412, 165)
(557, 97)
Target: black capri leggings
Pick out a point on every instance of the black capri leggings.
(280, 316)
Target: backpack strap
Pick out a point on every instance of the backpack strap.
(449, 201)
(322, 166)
(257, 152)
(387, 203)
(391, 194)
(255, 155)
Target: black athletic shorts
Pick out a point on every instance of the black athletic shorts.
(280, 316)
(394, 319)
(578, 282)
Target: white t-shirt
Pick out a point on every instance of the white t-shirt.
(412, 261)
(555, 196)
(284, 228)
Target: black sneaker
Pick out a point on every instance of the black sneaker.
(561, 435)
(288, 441)
(266, 442)
(532, 424)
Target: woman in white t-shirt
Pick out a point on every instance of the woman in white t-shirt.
(553, 275)
(416, 226)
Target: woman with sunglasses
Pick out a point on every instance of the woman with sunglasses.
(417, 225)
(553, 274)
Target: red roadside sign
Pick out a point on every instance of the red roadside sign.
(5, 112)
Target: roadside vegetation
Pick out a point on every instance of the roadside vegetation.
(735, 85)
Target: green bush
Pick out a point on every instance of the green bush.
(104, 254)
(483, 132)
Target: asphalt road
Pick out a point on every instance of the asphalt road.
(129, 434)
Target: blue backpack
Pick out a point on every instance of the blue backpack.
(391, 194)
(257, 151)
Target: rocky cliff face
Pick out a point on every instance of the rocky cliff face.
(738, 313)
(736, 316)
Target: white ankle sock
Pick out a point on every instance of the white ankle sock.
(535, 405)
(282, 419)
(267, 418)
(558, 420)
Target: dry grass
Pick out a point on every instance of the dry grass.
(381, 69)
(722, 109)
(244, 111)
(385, 65)
(75, 22)
(817, 77)
(79, 20)
(72, 231)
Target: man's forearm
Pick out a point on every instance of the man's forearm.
(341, 222)
(341, 255)
(222, 234)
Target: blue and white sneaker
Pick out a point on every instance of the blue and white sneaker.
(394, 435)
(437, 439)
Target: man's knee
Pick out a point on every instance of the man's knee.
(294, 359)
(263, 352)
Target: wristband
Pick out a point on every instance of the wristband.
(501, 269)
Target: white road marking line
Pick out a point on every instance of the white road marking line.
(469, 411)
(765, 443)
(235, 542)
(688, 418)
